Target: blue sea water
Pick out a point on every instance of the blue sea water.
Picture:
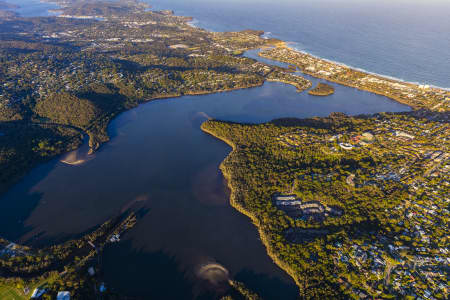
(405, 39)
(33, 8)
(159, 157)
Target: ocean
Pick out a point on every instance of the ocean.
(159, 159)
(33, 8)
(404, 39)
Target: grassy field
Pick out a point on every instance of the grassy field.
(10, 293)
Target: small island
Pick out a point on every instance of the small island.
(349, 207)
(322, 89)
(418, 96)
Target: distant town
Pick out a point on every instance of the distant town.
(350, 207)
(414, 95)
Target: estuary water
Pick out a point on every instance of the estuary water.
(406, 39)
(160, 161)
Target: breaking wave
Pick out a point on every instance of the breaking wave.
(299, 48)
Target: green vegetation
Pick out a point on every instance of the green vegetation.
(299, 82)
(23, 145)
(61, 267)
(244, 291)
(67, 109)
(414, 95)
(73, 74)
(372, 191)
(238, 291)
(322, 89)
(10, 293)
(391, 185)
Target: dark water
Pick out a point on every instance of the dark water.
(407, 39)
(160, 160)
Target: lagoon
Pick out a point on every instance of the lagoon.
(405, 39)
(159, 160)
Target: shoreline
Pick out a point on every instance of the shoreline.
(227, 173)
(193, 22)
(321, 90)
(249, 197)
(275, 43)
(389, 77)
(163, 97)
(234, 192)
(294, 84)
(410, 94)
(289, 45)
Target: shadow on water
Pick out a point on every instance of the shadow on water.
(167, 283)
(12, 226)
(270, 287)
(159, 158)
(172, 281)
(20, 211)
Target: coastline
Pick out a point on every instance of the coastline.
(295, 46)
(236, 194)
(236, 205)
(321, 90)
(95, 144)
(250, 197)
(274, 43)
(408, 93)
(389, 77)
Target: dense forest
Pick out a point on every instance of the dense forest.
(67, 76)
(63, 78)
(302, 158)
(22, 145)
(62, 267)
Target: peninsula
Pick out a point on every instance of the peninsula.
(415, 95)
(348, 206)
(70, 268)
(67, 77)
